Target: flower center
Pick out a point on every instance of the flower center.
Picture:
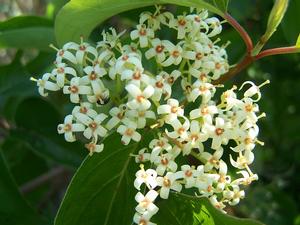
(188, 173)
(181, 130)
(143, 222)
(143, 32)
(194, 137)
(160, 143)
(159, 48)
(137, 75)
(120, 115)
(82, 48)
(199, 56)
(60, 70)
(218, 66)
(145, 203)
(83, 110)
(202, 88)
(247, 141)
(73, 89)
(197, 19)
(140, 98)
(171, 80)
(129, 132)
(125, 57)
(174, 109)
(175, 54)
(141, 114)
(93, 76)
(219, 131)
(141, 157)
(164, 161)
(61, 52)
(248, 108)
(166, 182)
(204, 111)
(159, 84)
(68, 127)
(93, 125)
(182, 22)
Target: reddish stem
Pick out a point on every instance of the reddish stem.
(241, 31)
(277, 51)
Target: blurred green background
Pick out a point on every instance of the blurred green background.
(42, 163)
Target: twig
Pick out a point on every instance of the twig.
(277, 51)
(37, 182)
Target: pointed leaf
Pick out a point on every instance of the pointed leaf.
(298, 42)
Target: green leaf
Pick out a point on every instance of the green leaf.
(80, 17)
(13, 208)
(27, 32)
(275, 17)
(181, 209)
(103, 187)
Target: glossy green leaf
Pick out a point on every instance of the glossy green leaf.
(275, 18)
(13, 208)
(80, 17)
(26, 32)
(101, 192)
(181, 209)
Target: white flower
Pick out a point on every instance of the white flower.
(158, 146)
(163, 163)
(161, 87)
(175, 54)
(195, 138)
(247, 140)
(118, 115)
(205, 90)
(94, 127)
(189, 175)
(75, 89)
(147, 177)
(172, 109)
(68, 128)
(139, 98)
(247, 178)
(172, 77)
(158, 50)
(143, 34)
(204, 182)
(45, 84)
(235, 195)
(180, 130)
(218, 204)
(143, 219)
(146, 202)
(140, 116)
(169, 182)
(212, 161)
(219, 133)
(83, 50)
(135, 76)
(60, 73)
(128, 132)
(243, 160)
(65, 53)
(181, 24)
(85, 108)
(92, 148)
(205, 112)
(142, 156)
(253, 90)
(93, 77)
(215, 25)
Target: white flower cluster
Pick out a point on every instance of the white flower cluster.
(196, 124)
